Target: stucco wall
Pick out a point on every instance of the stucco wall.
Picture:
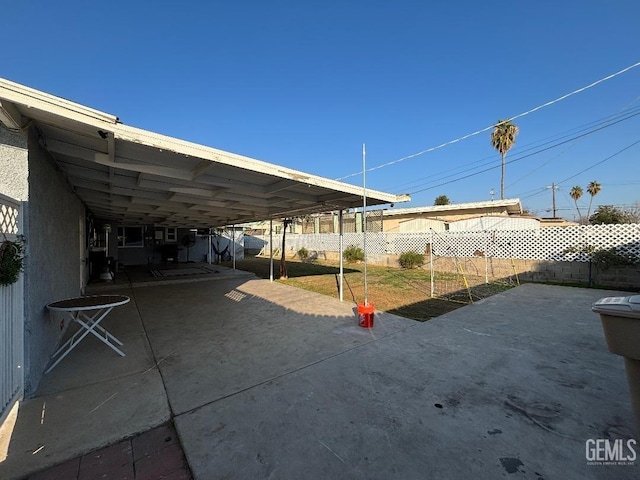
(391, 223)
(13, 164)
(52, 270)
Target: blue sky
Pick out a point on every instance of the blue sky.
(305, 83)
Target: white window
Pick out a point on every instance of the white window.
(130, 237)
(171, 234)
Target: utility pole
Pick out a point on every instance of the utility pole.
(553, 188)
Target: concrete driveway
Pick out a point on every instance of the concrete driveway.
(268, 381)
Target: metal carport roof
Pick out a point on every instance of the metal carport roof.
(131, 175)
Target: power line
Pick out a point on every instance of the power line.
(513, 160)
(601, 161)
(601, 123)
(486, 129)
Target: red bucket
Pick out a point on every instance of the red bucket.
(365, 314)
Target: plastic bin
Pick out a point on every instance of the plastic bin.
(620, 318)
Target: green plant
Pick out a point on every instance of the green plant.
(442, 200)
(613, 258)
(582, 248)
(303, 254)
(11, 262)
(353, 254)
(411, 260)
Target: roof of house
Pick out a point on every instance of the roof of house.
(512, 205)
(132, 175)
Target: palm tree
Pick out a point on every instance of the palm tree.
(593, 189)
(502, 139)
(576, 193)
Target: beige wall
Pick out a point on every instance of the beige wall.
(391, 223)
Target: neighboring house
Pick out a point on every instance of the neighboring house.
(440, 217)
(88, 184)
(556, 222)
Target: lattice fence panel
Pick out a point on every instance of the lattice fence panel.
(559, 244)
(9, 212)
(398, 243)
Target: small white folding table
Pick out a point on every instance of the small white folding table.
(88, 312)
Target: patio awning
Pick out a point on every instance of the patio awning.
(134, 176)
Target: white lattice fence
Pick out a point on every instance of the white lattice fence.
(9, 212)
(557, 243)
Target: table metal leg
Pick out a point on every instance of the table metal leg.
(89, 325)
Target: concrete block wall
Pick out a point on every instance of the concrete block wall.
(624, 277)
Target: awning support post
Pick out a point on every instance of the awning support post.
(340, 253)
(271, 249)
(233, 242)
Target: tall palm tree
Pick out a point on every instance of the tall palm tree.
(502, 139)
(576, 193)
(593, 189)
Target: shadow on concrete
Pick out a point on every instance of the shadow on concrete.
(188, 345)
(264, 380)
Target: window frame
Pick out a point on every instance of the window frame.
(122, 236)
(171, 238)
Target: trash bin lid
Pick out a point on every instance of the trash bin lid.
(618, 306)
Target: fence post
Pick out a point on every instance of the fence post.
(271, 249)
(486, 259)
(431, 260)
(340, 250)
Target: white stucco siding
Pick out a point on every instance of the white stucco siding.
(13, 164)
(52, 270)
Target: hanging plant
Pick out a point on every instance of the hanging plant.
(11, 261)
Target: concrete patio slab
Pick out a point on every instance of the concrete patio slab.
(53, 428)
(515, 384)
(268, 381)
(235, 334)
(91, 399)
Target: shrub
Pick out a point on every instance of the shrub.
(353, 254)
(11, 262)
(411, 260)
(303, 254)
(613, 258)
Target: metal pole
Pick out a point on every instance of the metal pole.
(233, 242)
(431, 260)
(486, 262)
(210, 239)
(341, 250)
(364, 221)
(271, 249)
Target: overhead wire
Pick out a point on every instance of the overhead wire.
(600, 162)
(539, 167)
(486, 129)
(522, 157)
(560, 184)
(622, 116)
